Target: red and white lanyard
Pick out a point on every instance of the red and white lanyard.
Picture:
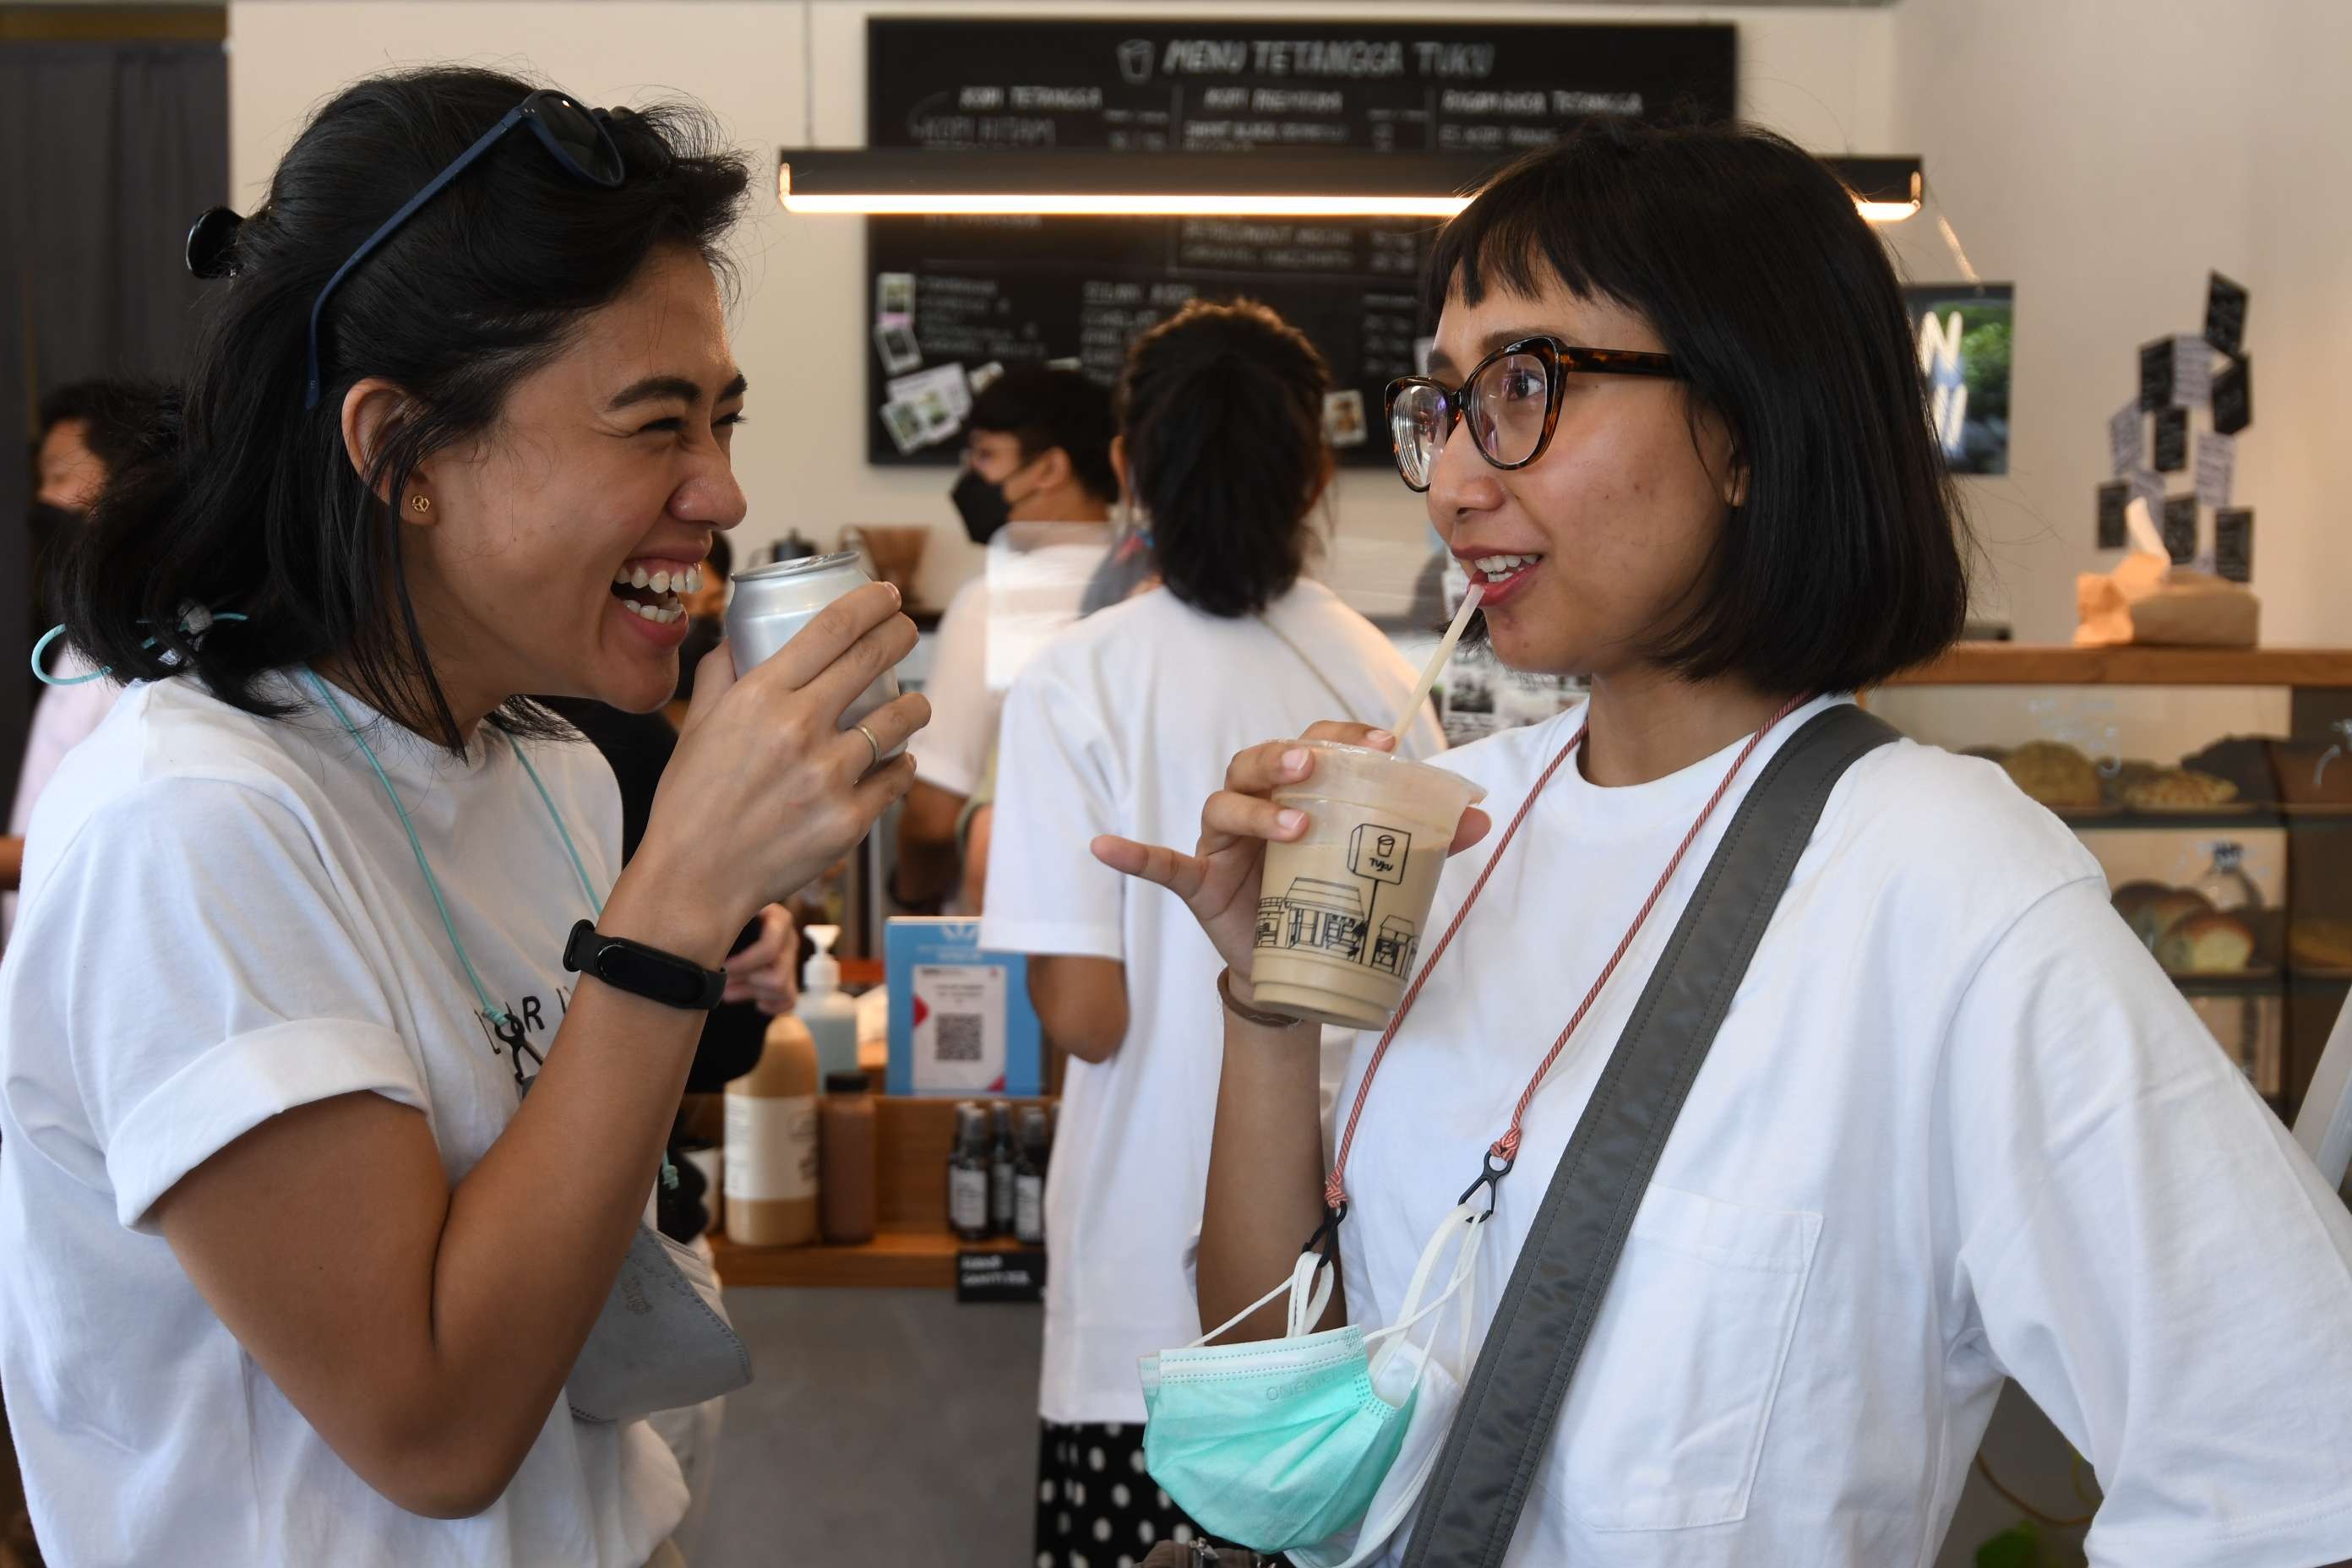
(1504, 1150)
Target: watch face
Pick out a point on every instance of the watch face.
(647, 974)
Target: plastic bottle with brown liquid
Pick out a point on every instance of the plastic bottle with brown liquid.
(846, 1200)
(771, 1146)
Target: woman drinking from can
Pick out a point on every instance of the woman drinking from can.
(297, 1274)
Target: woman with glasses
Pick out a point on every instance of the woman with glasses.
(1116, 726)
(1956, 1126)
(296, 1274)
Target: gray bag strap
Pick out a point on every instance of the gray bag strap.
(1472, 1507)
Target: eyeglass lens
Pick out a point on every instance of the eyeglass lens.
(1504, 405)
(1418, 423)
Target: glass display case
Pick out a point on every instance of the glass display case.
(2215, 788)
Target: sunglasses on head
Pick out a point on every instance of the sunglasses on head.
(579, 139)
(1511, 399)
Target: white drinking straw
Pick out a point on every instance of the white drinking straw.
(1428, 680)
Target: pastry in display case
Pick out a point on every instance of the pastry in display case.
(2055, 773)
(2214, 785)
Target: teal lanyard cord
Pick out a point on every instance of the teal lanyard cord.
(490, 1010)
(496, 1014)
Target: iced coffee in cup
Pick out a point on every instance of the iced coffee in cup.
(1344, 906)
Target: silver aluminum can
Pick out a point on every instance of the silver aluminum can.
(771, 604)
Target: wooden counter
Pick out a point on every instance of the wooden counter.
(2037, 664)
(911, 1246)
(894, 1259)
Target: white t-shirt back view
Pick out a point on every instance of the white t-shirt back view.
(1125, 724)
(222, 921)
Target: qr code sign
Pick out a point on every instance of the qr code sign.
(958, 1043)
(962, 1037)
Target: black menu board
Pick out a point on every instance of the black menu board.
(954, 299)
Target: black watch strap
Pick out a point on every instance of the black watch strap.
(643, 971)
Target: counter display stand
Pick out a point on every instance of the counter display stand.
(2273, 1015)
(912, 1245)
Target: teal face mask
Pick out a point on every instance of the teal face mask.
(1291, 1443)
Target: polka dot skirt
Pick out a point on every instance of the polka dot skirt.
(1096, 1507)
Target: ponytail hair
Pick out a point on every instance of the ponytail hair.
(1221, 410)
(243, 500)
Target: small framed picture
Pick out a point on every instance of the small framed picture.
(1343, 417)
(904, 423)
(898, 348)
(894, 298)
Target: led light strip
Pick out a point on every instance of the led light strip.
(898, 182)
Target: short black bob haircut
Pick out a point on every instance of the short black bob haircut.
(1846, 561)
(249, 502)
(1043, 408)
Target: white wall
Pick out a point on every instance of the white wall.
(1821, 74)
(2101, 154)
(2105, 154)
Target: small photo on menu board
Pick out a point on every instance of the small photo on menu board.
(1343, 417)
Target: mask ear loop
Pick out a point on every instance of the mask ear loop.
(1307, 1287)
(1467, 1242)
(195, 622)
(44, 677)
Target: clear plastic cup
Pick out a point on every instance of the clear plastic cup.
(1345, 906)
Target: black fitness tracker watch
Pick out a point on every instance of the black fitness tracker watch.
(643, 971)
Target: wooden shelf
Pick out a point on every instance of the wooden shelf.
(893, 1261)
(912, 1246)
(2034, 664)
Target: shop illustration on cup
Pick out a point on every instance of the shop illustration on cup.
(1336, 919)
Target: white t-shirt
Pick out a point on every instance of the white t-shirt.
(1029, 589)
(1957, 1127)
(1125, 725)
(223, 920)
(62, 720)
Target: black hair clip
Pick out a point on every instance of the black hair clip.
(210, 240)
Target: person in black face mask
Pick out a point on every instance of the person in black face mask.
(1036, 489)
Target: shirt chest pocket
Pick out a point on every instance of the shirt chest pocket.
(1663, 1424)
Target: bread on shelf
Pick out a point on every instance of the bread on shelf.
(2156, 916)
(2133, 902)
(2208, 942)
(2179, 789)
(2319, 942)
(2054, 774)
(2245, 761)
(2124, 775)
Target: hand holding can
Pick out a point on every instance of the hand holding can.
(771, 604)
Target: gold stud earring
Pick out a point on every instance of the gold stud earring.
(420, 504)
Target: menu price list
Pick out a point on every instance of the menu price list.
(990, 293)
